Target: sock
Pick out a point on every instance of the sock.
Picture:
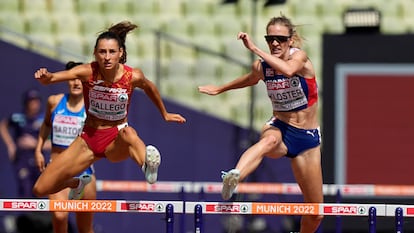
(80, 183)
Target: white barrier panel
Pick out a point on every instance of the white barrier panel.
(408, 210)
(360, 190)
(254, 208)
(260, 208)
(349, 209)
(89, 205)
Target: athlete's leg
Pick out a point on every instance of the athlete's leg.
(270, 144)
(308, 173)
(60, 172)
(60, 219)
(84, 220)
(127, 143)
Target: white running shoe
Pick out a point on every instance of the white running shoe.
(77, 193)
(152, 162)
(230, 182)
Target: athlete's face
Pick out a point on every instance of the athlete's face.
(75, 87)
(33, 107)
(278, 40)
(108, 53)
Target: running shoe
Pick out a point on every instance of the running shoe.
(152, 162)
(77, 193)
(230, 182)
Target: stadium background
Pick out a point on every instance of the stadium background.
(180, 44)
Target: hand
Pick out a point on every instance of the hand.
(11, 151)
(209, 90)
(40, 161)
(42, 75)
(172, 117)
(246, 40)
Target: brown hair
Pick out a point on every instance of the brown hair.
(118, 32)
(283, 20)
(70, 64)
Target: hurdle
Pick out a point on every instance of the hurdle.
(338, 190)
(169, 208)
(336, 209)
(109, 206)
(198, 209)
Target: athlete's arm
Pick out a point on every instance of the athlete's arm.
(289, 67)
(246, 80)
(7, 138)
(45, 130)
(139, 80)
(81, 72)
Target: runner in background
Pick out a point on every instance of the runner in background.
(64, 119)
(19, 133)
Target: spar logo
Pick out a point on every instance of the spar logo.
(66, 120)
(24, 205)
(122, 97)
(345, 210)
(143, 206)
(227, 208)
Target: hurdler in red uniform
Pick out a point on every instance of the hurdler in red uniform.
(108, 85)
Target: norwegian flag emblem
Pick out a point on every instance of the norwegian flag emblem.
(270, 72)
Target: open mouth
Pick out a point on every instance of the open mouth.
(275, 50)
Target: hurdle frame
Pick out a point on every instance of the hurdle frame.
(198, 209)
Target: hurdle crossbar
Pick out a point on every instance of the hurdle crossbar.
(144, 206)
(89, 205)
(200, 208)
(263, 208)
(361, 190)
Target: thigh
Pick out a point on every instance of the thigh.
(126, 142)
(75, 159)
(308, 173)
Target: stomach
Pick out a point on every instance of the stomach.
(303, 119)
(97, 123)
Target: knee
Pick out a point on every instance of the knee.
(37, 191)
(128, 134)
(316, 219)
(269, 141)
(128, 131)
(310, 223)
(61, 217)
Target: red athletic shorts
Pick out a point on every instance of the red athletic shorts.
(99, 139)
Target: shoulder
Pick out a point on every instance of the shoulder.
(257, 66)
(137, 74)
(54, 100)
(301, 56)
(88, 68)
(296, 53)
(84, 71)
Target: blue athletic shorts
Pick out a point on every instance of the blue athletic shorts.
(90, 170)
(296, 140)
